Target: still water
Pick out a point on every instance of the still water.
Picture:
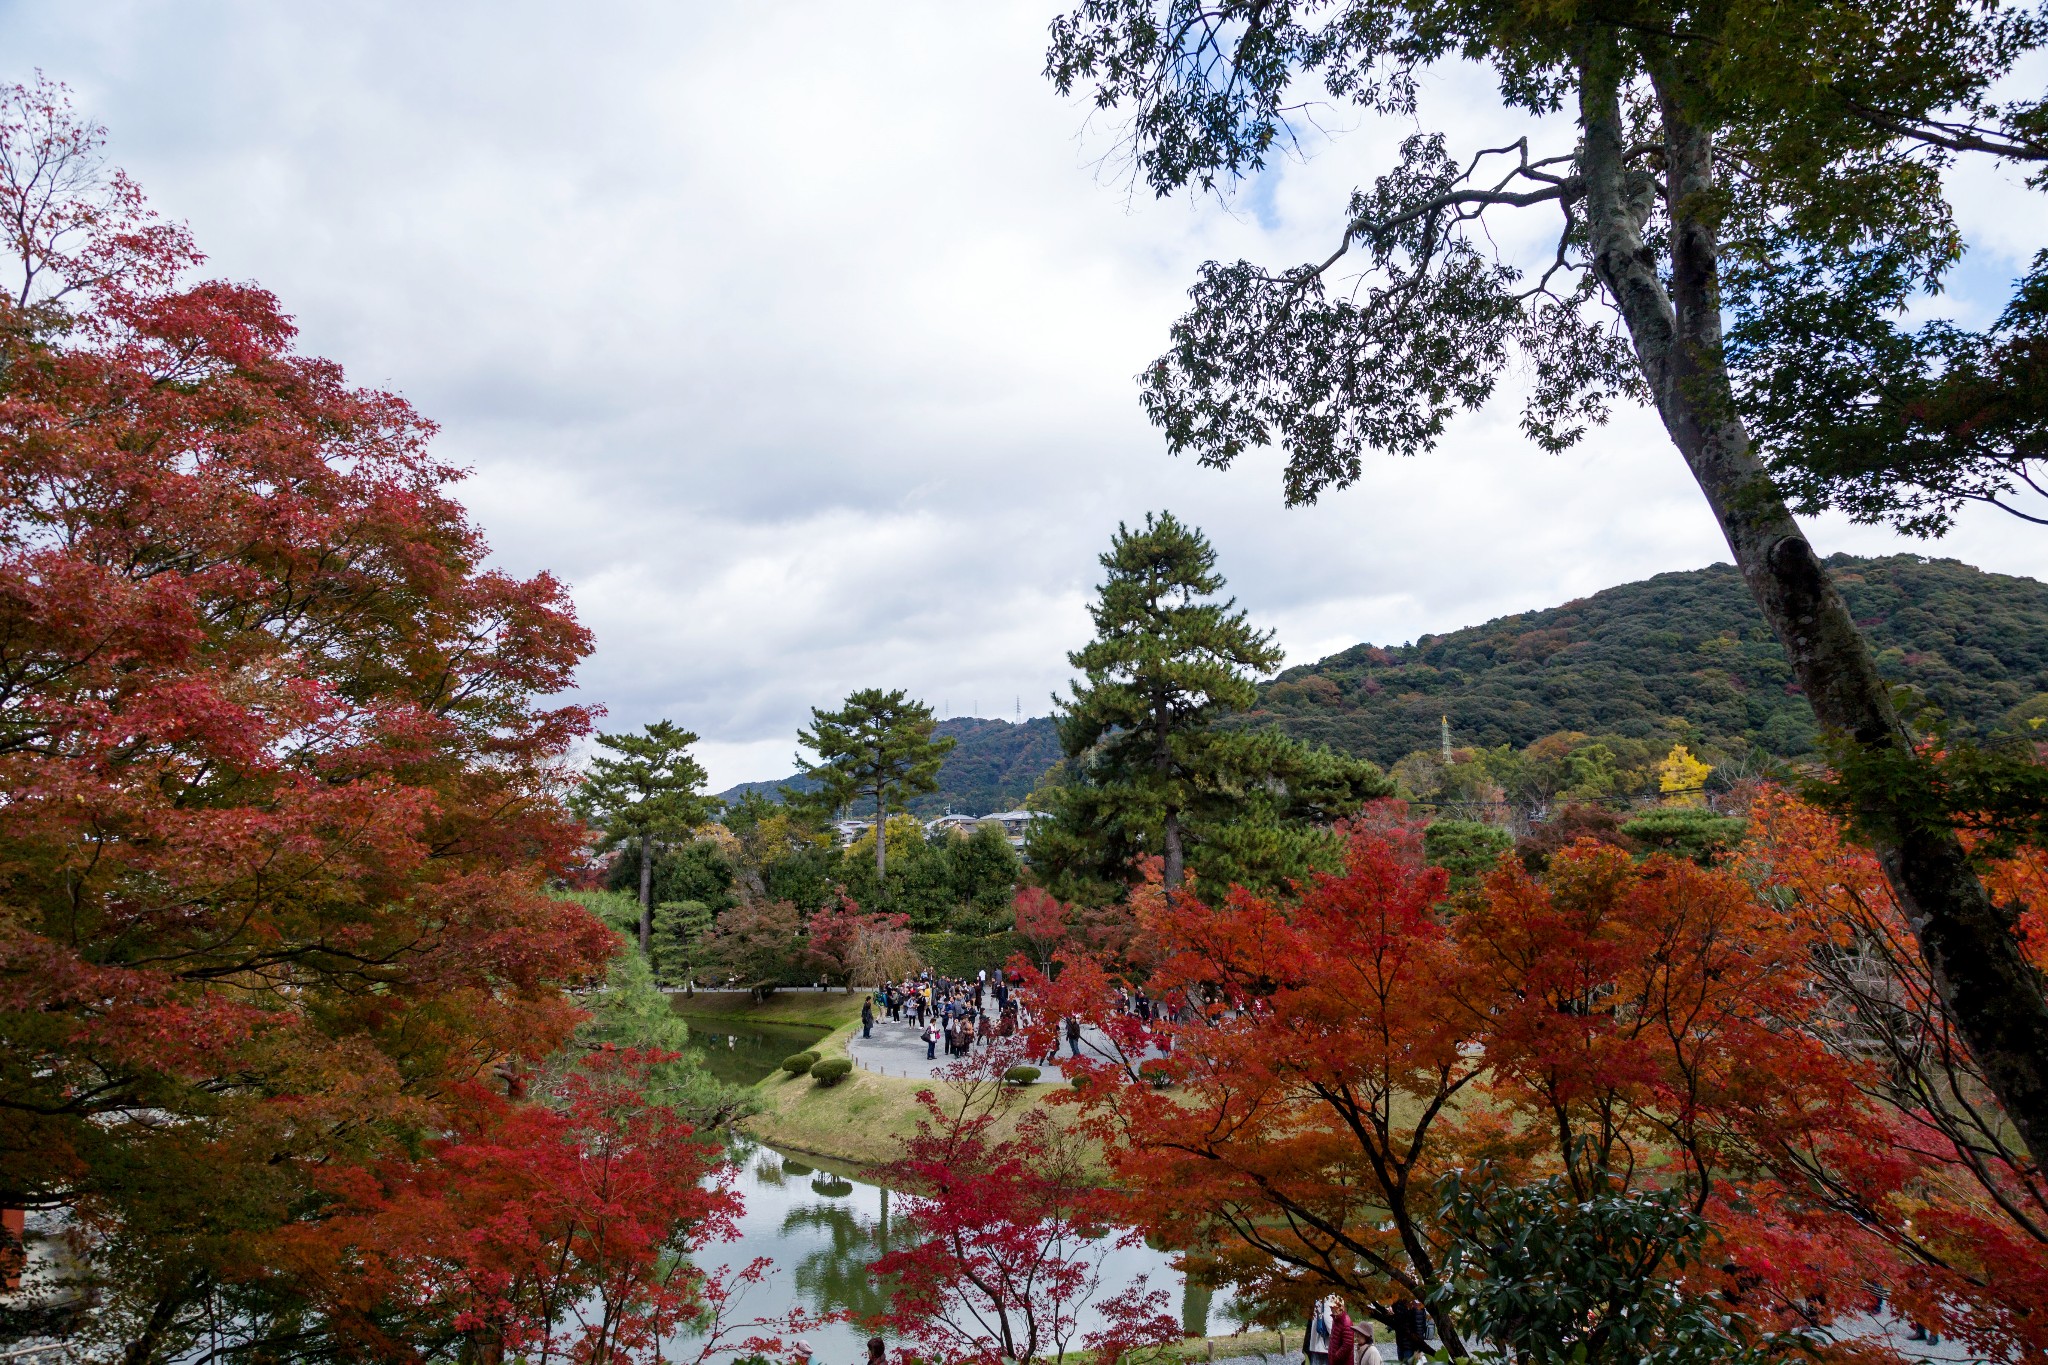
(823, 1227)
(740, 1054)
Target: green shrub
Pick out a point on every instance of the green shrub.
(1079, 1082)
(1467, 849)
(831, 1071)
(800, 1063)
(1157, 1074)
(963, 955)
(1687, 832)
(1021, 1075)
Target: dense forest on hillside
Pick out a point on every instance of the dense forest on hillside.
(1683, 655)
(993, 766)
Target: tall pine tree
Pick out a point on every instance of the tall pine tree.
(1147, 772)
(650, 792)
(878, 747)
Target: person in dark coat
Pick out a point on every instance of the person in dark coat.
(867, 1018)
(1411, 1328)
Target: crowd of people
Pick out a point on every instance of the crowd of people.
(1332, 1338)
(956, 1013)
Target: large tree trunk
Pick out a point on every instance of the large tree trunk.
(881, 842)
(646, 896)
(1170, 844)
(148, 1345)
(1996, 998)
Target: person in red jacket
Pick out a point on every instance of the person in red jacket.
(1343, 1336)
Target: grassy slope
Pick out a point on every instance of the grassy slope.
(862, 1120)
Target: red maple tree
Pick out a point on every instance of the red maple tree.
(1615, 1022)
(844, 942)
(1923, 1161)
(545, 1231)
(282, 782)
(1006, 1235)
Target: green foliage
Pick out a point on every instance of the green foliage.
(962, 955)
(982, 870)
(1682, 656)
(798, 1063)
(947, 882)
(1466, 849)
(1147, 771)
(1998, 791)
(1022, 1075)
(630, 1012)
(831, 1071)
(1687, 832)
(694, 871)
(679, 930)
(653, 789)
(620, 910)
(652, 792)
(1556, 1279)
(805, 877)
(1820, 222)
(876, 749)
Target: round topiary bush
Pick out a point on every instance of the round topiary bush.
(799, 1064)
(1021, 1075)
(1080, 1082)
(831, 1071)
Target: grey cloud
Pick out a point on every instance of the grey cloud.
(799, 338)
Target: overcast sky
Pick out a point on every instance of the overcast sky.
(799, 337)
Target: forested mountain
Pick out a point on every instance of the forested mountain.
(993, 766)
(1682, 654)
(1679, 656)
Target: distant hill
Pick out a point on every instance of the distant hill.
(1689, 646)
(1686, 647)
(993, 766)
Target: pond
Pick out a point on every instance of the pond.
(822, 1228)
(742, 1053)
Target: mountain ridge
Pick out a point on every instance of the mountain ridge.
(1682, 655)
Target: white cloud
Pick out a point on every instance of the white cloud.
(799, 337)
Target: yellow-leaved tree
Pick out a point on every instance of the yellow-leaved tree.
(1682, 778)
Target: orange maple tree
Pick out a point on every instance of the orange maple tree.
(1614, 1023)
(1923, 1160)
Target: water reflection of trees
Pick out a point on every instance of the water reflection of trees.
(836, 1275)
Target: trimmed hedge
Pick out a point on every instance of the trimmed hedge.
(831, 1071)
(962, 955)
(1021, 1075)
(798, 1064)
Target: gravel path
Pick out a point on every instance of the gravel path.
(897, 1050)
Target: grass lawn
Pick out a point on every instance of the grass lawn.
(860, 1121)
(807, 1008)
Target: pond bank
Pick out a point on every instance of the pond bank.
(861, 1121)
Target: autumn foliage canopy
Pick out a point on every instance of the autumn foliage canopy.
(282, 791)
(1756, 1038)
